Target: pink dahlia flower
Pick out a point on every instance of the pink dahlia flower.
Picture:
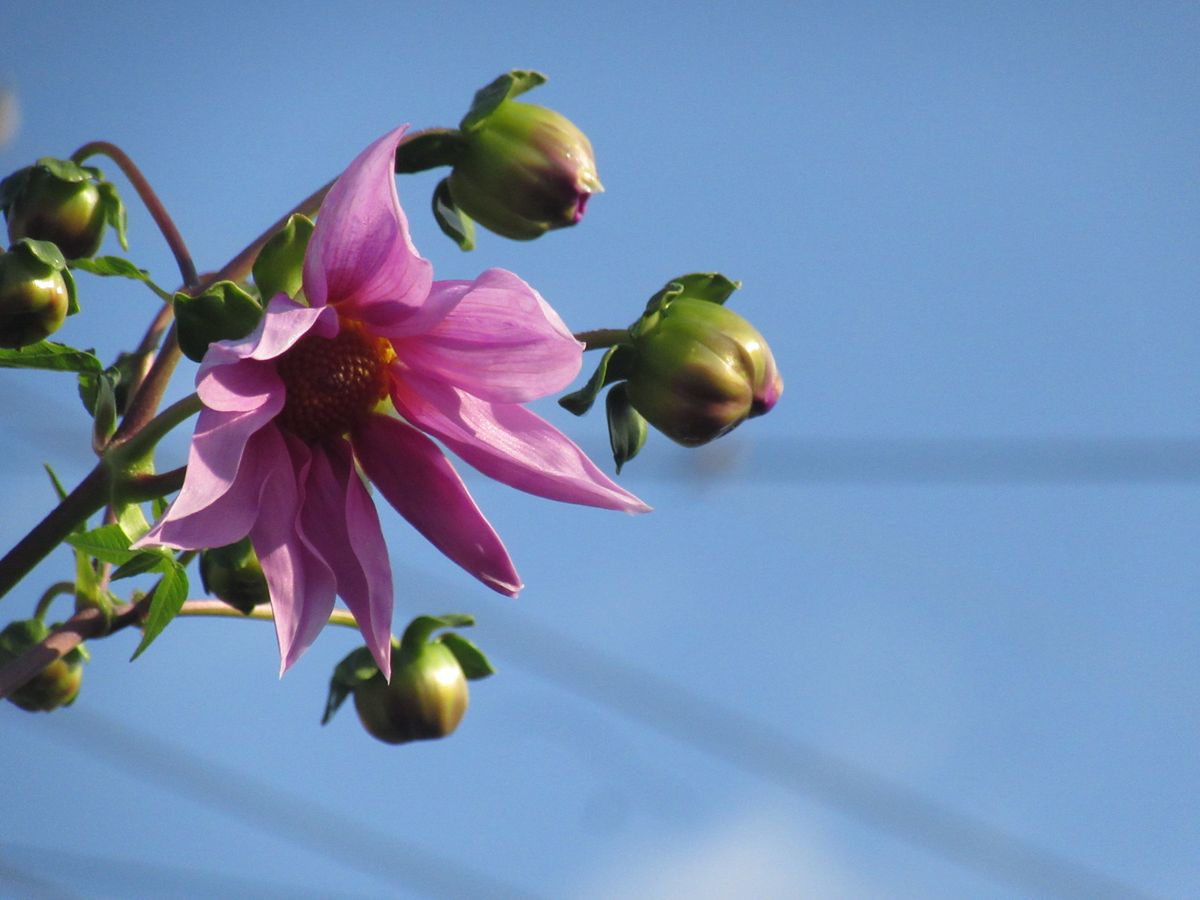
(293, 411)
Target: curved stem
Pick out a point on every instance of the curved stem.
(53, 592)
(600, 338)
(88, 498)
(187, 269)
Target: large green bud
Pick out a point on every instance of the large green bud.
(427, 696)
(56, 685)
(698, 370)
(37, 293)
(61, 202)
(233, 573)
(426, 699)
(523, 169)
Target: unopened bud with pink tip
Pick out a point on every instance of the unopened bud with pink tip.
(698, 369)
(522, 169)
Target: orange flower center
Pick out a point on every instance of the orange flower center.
(332, 384)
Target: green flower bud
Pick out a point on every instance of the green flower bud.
(698, 370)
(35, 296)
(426, 699)
(56, 685)
(524, 170)
(232, 573)
(56, 201)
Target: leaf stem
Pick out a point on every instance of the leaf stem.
(187, 269)
(53, 592)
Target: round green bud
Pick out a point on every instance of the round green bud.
(426, 698)
(524, 170)
(699, 370)
(233, 573)
(47, 207)
(34, 299)
(56, 685)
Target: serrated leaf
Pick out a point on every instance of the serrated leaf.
(143, 561)
(279, 268)
(169, 596)
(50, 356)
(580, 401)
(471, 659)
(627, 427)
(487, 98)
(223, 312)
(455, 223)
(108, 543)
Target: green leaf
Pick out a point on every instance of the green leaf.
(58, 488)
(581, 400)
(279, 268)
(111, 266)
(455, 223)
(357, 667)
(114, 211)
(626, 427)
(132, 521)
(507, 86)
(474, 663)
(223, 312)
(143, 561)
(104, 412)
(169, 596)
(50, 356)
(108, 543)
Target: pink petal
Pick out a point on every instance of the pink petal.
(216, 459)
(501, 342)
(301, 585)
(339, 521)
(239, 387)
(360, 253)
(510, 444)
(282, 325)
(212, 513)
(417, 479)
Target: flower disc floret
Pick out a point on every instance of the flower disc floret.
(332, 384)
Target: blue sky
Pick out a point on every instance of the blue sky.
(952, 221)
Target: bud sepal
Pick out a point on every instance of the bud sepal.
(233, 574)
(521, 170)
(37, 293)
(427, 696)
(63, 202)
